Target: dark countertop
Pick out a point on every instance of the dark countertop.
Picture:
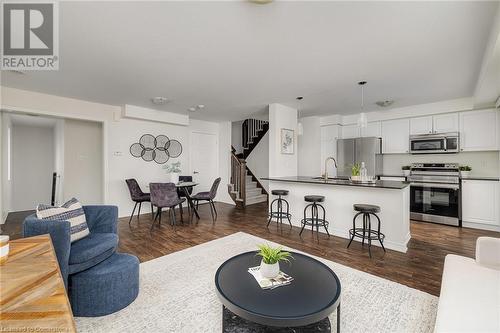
(389, 184)
(399, 176)
(495, 179)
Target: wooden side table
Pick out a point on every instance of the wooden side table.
(32, 293)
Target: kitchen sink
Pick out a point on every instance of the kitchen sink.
(332, 178)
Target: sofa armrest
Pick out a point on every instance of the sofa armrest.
(101, 219)
(488, 252)
(60, 234)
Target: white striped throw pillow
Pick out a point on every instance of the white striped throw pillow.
(71, 211)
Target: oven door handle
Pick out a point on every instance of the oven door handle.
(437, 185)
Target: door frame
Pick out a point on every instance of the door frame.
(216, 135)
(105, 139)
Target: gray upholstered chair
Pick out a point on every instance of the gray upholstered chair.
(208, 196)
(164, 195)
(138, 197)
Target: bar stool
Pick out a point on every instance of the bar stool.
(366, 231)
(314, 220)
(278, 212)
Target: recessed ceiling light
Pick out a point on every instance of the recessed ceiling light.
(385, 103)
(192, 109)
(159, 100)
(200, 106)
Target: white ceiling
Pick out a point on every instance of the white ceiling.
(237, 57)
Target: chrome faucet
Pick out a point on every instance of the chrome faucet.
(326, 164)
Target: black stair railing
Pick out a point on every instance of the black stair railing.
(252, 132)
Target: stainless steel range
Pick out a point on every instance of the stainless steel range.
(435, 193)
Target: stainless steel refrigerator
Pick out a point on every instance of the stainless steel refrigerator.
(352, 151)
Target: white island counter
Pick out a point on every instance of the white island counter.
(393, 197)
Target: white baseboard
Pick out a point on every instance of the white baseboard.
(480, 226)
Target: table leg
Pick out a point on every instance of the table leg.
(338, 318)
(190, 202)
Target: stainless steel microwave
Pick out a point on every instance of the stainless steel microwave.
(435, 143)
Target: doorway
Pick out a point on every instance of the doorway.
(48, 160)
(204, 159)
(32, 161)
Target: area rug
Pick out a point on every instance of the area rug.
(177, 295)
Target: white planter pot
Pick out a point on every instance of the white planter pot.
(464, 174)
(406, 172)
(174, 177)
(269, 271)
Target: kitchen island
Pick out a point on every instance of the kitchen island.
(393, 197)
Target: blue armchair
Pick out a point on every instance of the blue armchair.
(87, 252)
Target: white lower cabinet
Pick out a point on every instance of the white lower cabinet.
(480, 202)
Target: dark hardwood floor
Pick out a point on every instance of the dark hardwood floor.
(421, 267)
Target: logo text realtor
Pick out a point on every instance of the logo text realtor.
(30, 36)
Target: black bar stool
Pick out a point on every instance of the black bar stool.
(277, 208)
(314, 220)
(366, 231)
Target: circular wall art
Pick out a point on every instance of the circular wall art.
(159, 149)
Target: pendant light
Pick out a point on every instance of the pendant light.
(362, 120)
(300, 127)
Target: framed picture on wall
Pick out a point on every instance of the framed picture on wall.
(287, 141)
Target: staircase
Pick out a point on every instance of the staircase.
(253, 131)
(245, 188)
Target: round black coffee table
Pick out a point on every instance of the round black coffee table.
(305, 304)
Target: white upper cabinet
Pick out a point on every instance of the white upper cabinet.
(421, 125)
(444, 123)
(350, 131)
(479, 130)
(373, 129)
(395, 136)
(434, 124)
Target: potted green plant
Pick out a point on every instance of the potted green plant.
(406, 170)
(174, 170)
(271, 257)
(356, 172)
(464, 170)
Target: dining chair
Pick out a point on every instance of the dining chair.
(180, 191)
(208, 196)
(138, 196)
(164, 195)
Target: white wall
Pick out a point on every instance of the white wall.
(59, 160)
(309, 148)
(224, 162)
(485, 163)
(236, 136)
(120, 133)
(258, 161)
(6, 182)
(32, 166)
(2, 139)
(122, 165)
(83, 161)
(281, 165)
